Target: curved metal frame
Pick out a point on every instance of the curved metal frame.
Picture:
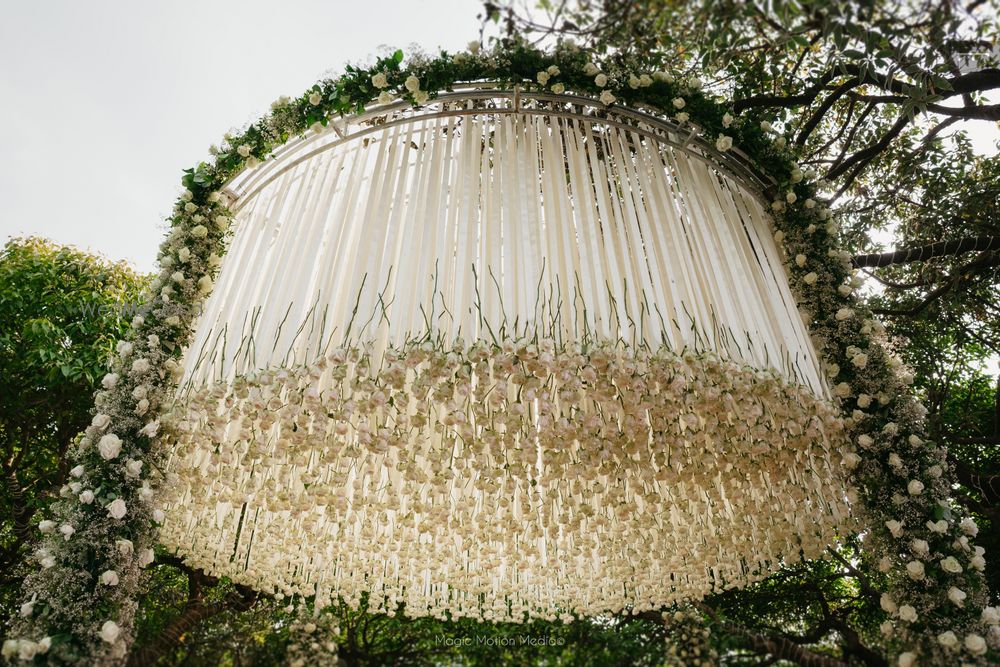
(666, 131)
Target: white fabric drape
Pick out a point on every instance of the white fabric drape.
(521, 224)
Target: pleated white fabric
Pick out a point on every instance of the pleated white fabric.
(505, 226)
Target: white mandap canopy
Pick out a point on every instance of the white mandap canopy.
(504, 354)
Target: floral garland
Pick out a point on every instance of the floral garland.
(79, 606)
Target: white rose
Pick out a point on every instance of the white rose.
(412, 83)
(109, 380)
(991, 616)
(100, 421)
(315, 98)
(844, 314)
(590, 69)
(142, 406)
(950, 564)
(977, 563)
(150, 429)
(679, 102)
(125, 547)
(109, 578)
(975, 644)
(109, 446)
(940, 527)
(601, 80)
(9, 648)
(172, 321)
(77, 471)
(199, 231)
(766, 126)
(48, 562)
(177, 276)
(243, 150)
(851, 460)
(558, 88)
(915, 487)
(682, 117)
(87, 497)
(864, 400)
(542, 77)
(915, 569)
(607, 98)
(908, 613)
(158, 516)
(205, 284)
(473, 47)
(384, 97)
(727, 120)
(885, 627)
(46, 526)
(969, 526)
(67, 530)
(110, 632)
(810, 278)
(124, 348)
(907, 659)
(146, 557)
(895, 527)
(790, 197)
(948, 639)
(865, 440)
(887, 604)
(380, 80)
(133, 468)
(117, 508)
(723, 143)
(920, 547)
(957, 596)
(140, 366)
(895, 461)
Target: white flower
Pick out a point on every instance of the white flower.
(315, 98)
(766, 126)
(865, 441)
(885, 627)
(977, 563)
(199, 231)
(125, 547)
(800, 260)
(724, 143)
(117, 508)
(590, 69)
(809, 203)
(780, 142)
(935, 471)
(975, 644)
(678, 102)
(645, 80)
(895, 527)
(133, 468)
(920, 547)
(110, 632)
(124, 348)
(860, 360)
(907, 613)
(384, 97)
(682, 116)
(887, 603)
(48, 562)
(473, 47)
(46, 526)
(843, 390)
(607, 98)
(67, 530)
(100, 421)
(915, 487)
(87, 497)
(109, 578)
(844, 314)
(9, 648)
(558, 88)
(243, 150)
(177, 276)
(947, 639)
(810, 278)
(601, 80)
(316, 128)
(190, 208)
(957, 596)
(727, 120)
(412, 83)
(895, 461)
(864, 400)
(940, 526)
(158, 515)
(205, 284)
(150, 429)
(907, 659)
(915, 569)
(140, 366)
(542, 77)
(172, 321)
(109, 446)
(991, 616)
(950, 564)
(884, 564)
(141, 407)
(851, 460)
(76, 471)
(969, 526)
(633, 81)
(109, 380)
(660, 75)
(790, 197)
(145, 557)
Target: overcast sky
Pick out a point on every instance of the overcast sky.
(104, 102)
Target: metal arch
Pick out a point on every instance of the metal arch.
(685, 137)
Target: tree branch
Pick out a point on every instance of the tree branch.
(925, 252)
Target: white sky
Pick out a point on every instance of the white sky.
(104, 103)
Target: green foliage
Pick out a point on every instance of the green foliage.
(61, 311)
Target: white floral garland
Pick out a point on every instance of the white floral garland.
(79, 606)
